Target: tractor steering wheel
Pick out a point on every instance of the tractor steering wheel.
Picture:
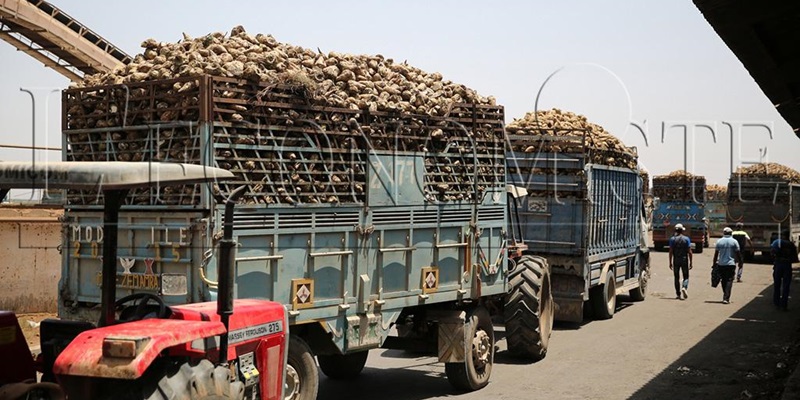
(141, 307)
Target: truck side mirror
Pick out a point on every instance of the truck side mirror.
(656, 202)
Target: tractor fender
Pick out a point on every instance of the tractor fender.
(130, 347)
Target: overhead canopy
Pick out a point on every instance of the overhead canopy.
(104, 175)
(765, 36)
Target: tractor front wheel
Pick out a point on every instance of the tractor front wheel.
(194, 380)
(302, 379)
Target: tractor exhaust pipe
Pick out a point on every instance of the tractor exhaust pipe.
(227, 271)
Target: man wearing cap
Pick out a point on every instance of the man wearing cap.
(726, 256)
(743, 239)
(680, 260)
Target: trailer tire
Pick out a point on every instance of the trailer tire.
(193, 380)
(529, 309)
(302, 379)
(343, 366)
(604, 298)
(474, 372)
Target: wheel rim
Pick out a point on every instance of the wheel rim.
(292, 384)
(481, 350)
(643, 281)
(611, 294)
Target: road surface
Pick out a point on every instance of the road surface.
(661, 348)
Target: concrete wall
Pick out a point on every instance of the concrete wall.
(30, 264)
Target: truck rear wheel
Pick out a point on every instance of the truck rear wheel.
(343, 366)
(474, 372)
(195, 381)
(698, 247)
(529, 309)
(640, 292)
(604, 298)
(302, 379)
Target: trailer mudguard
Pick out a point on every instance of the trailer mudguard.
(140, 343)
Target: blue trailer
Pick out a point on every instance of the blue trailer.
(372, 228)
(586, 219)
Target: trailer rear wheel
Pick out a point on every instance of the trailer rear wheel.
(345, 367)
(529, 309)
(604, 297)
(195, 381)
(302, 379)
(474, 372)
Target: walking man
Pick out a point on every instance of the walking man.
(745, 245)
(784, 253)
(726, 256)
(680, 261)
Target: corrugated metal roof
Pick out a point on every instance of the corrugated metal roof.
(765, 36)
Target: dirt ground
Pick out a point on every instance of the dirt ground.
(662, 348)
(749, 355)
(30, 326)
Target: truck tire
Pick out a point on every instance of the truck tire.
(193, 380)
(698, 247)
(604, 298)
(344, 367)
(302, 379)
(473, 373)
(640, 292)
(529, 309)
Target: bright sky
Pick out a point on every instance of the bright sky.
(657, 65)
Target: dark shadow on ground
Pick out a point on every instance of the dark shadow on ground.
(749, 356)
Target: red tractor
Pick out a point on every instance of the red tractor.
(142, 348)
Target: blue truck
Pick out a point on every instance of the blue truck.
(374, 229)
(585, 219)
(679, 200)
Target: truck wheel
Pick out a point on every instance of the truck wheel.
(529, 309)
(698, 248)
(194, 380)
(302, 380)
(346, 367)
(604, 298)
(474, 372)
(640, 292)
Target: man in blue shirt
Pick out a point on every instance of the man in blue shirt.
(680, 260)
(784, 252)
(726, 256)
